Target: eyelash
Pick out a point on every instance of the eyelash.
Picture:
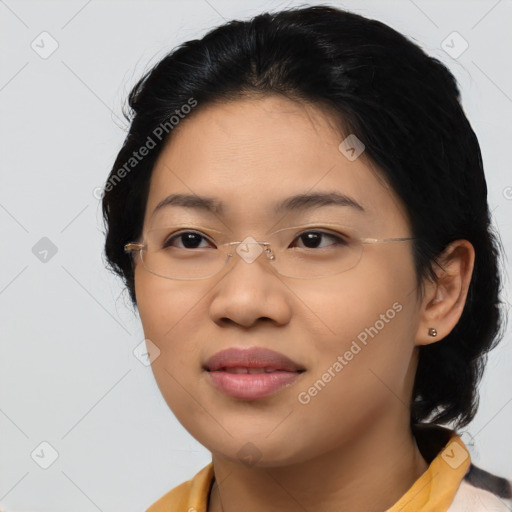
(340, 238)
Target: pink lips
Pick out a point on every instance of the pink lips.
(251, 373)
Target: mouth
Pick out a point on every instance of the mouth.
(250, 369)
(251, 373)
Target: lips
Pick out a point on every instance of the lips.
(251, 360)
(252, 373)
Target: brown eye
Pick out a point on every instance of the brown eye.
(188, 239)
(313, 239)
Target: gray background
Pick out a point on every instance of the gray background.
(68, 376)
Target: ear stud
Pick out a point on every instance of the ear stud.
(432, 332)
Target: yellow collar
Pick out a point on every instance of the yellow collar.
(435, 489)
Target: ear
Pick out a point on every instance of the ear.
(443, 300)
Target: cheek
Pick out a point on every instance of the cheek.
(168, 310)
(361, 366)
(346, 304)
(366, 322)
(163, 304)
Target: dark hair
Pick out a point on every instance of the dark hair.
(401, 103)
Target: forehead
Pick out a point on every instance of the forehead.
(252, 154)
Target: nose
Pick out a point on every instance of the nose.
(250, 290)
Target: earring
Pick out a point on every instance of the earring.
(432, 332)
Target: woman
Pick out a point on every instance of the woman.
(299, 212)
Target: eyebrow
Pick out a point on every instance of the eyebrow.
(298, 202)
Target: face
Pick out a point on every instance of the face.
(351, 333)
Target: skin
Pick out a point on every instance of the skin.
(350, 447)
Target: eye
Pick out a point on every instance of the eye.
(188, 239)
(313, 239)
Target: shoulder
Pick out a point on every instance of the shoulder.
(190, 495)
(176, 499)
(481, 490)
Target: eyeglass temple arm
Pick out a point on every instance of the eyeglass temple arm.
(376, 240)
(132, 246)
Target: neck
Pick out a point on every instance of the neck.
(367, 474)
